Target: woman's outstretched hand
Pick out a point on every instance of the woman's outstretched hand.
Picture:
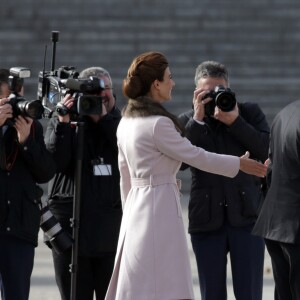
(251, 166)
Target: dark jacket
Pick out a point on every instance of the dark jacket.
(213, 197)
(100, 211)
(26, 165)
(279, 219)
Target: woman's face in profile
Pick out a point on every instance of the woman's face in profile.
(165, 86)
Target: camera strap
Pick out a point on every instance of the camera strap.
(7, 161)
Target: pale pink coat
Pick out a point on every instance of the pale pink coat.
(152, 261)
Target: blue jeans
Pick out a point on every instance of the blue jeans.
(247, 259)
(16, 264)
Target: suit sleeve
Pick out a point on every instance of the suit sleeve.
(169, 141)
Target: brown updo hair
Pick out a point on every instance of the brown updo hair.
(143, 70)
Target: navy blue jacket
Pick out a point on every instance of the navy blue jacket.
(213, 197)
(26, 165)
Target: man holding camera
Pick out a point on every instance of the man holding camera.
(100, 210)
(24, 162)
(222, 211)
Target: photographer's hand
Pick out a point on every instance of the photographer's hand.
(68, 102)
(199, 103)
(226, 117)
(23, 126)
(5, 111)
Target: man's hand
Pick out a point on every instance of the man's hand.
(23, 126)
(199, 103)
(226, 117)
(5, 110)
(68, 102)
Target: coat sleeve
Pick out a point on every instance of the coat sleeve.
(125, 183)
(169, 141)
(193, 130)
(252, 130)
(40, 162)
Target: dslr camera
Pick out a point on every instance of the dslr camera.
(55, 237)
(33, 109)
(223, 98)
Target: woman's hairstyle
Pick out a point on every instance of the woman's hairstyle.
(143, 71)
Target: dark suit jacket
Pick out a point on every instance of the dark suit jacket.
(279, 219)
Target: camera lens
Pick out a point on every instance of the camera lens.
(226, 101)
(34, 109)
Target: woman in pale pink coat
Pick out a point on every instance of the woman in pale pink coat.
(152, 261)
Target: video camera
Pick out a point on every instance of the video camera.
(83, 90)
(223, 98)
(33, 109)
(55, 84)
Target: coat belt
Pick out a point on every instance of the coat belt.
(155, 180)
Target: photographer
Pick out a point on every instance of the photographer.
(222, 211)
(24, 162)
(100, 211)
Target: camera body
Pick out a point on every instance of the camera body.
(33, 109)
(54, 235)
(223, 98)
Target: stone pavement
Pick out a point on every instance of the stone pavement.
(43, 285)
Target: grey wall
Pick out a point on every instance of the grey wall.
(257, 40)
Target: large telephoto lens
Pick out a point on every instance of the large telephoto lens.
(33, 109)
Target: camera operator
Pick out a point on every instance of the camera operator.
(222, 211)
(100, 211)
(24, 162)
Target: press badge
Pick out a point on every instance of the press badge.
(100, 168)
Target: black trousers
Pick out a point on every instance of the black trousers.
(247, 259)
(286, 269)
(93, 275)
(16, 264)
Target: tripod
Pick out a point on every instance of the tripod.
(76, 207)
